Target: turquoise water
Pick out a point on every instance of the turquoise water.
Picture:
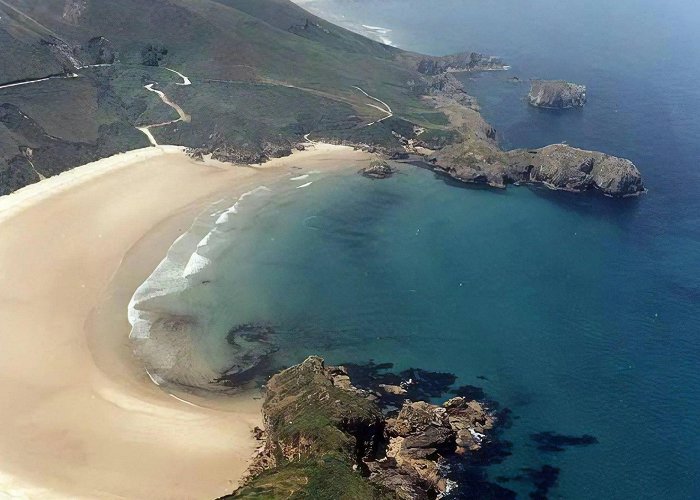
(582, 313)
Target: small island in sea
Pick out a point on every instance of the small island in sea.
(132, 136)
(556, 94)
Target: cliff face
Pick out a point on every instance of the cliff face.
(572, 169)
(324, 438)
(556, 94)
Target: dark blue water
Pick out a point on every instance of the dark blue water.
(580, 314)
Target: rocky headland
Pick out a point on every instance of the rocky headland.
(325, 438)
(475, 157)
(463, 61)
(556, 94)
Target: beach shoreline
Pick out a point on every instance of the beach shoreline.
(81, 417)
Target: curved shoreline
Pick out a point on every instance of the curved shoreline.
(81, 418)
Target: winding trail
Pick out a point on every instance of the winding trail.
(185, 81)
(182, 115)
(386, 109)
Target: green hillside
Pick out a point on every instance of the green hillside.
(263, 72)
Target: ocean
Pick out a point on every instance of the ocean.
(579, 314)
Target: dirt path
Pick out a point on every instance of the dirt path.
(37, 80)
(182, 115)
(386, 109)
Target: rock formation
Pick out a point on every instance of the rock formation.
(476, 158)
(329, 439)
(557, 166)
(98, 50)
(556, 94)
(378, 169)
(464, 61)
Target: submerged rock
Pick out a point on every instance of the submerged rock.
(252, 344)
(556, 94)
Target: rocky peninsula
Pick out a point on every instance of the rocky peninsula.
(325, 438)
(474, 156)
(556, 94)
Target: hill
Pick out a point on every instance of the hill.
(263, 71)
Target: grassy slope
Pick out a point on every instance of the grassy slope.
(22, 55)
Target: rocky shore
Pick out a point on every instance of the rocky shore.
(325, 438)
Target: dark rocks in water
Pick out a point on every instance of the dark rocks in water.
(471, 421)
(252, 345)
(556, 94)
(314, 416)
(378, 169)
(469, 392)
(554, 442)
(543, 479)
(414, 383)
(464, 61)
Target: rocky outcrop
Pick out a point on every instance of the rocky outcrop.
(249, 155)
(63, 52)
(557, 166)
(464, 61)
(556, 94)
(378, 169)
(476, 157)
(98, 50)
(421, 436)
(567, 168)
(315, 417)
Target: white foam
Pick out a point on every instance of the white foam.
(299, 177)
(196, 264)
(378, 29)
(305, 185)
(188, 257)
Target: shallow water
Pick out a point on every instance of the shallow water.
(582, 313)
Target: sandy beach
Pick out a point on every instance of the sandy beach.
(80, 418)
